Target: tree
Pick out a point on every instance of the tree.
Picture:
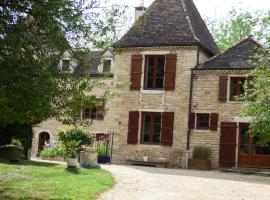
(238, 25)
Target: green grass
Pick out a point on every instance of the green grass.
(37, 180)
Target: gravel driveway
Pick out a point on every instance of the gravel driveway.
(146, 183)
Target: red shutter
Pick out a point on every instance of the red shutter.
(213, 121)
(191, 121)
(100, 112)
(136, 72)
(133, 127)
(170, 72)
(167, 129)
(223, 82)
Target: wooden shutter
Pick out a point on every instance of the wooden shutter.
(213, 121)
(191, 121)
(170, 72)
(136, 72)
(227, 150)
(167, 129)
(223, 82)
(133, 127)
(100, 112)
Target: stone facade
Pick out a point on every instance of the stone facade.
(205, 100)
(176, 101)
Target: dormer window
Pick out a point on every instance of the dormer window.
(65, 65)
(107, 66)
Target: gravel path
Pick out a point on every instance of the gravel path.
(146, 183)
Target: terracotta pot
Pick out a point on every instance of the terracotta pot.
(199, 164)
(72, 162)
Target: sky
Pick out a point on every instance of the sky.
(210, 8)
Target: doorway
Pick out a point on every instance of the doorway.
(44, 138)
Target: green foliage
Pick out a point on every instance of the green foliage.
(202, 152)
(54, 151)
(238, 25)
(73, 139)
(257, 97)
(16, 143)
(102, 150)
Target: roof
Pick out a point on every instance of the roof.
(89, 64)
(236, 57)
(169, 23)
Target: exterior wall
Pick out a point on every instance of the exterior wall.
(205, 100)
(176, 101)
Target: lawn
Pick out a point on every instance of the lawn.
(37, 180)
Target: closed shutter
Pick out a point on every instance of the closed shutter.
(133, 127)
(227, 150)
(223, 82)
(100, 112)
(191, 121)
(167, 129)
(136, 72)
(170, 72)
(213, 121)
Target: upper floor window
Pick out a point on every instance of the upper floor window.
(90, 113)
(154, 72)
(236, 87)
(107, 66)
(65, 65)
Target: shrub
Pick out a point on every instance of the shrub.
(202, 152)
(54, 151)
(17, 143)
(73, 140)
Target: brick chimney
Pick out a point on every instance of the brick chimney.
(139, 11)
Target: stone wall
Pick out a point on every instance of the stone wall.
(176, 101)
(205, 100)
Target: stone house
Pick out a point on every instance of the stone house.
(181, 93)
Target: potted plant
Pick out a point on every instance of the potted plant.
(12, 152)
(103, 149)
(72, 140)
(201, 158)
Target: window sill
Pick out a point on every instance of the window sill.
(203, 131)
(152, 91)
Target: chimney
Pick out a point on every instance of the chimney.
(139, 11)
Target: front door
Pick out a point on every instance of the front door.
(251, 153)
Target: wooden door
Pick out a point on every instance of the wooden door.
(227, 151)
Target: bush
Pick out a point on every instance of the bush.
(16, 143)
(73, 140)
(54, 151)
(202, 152)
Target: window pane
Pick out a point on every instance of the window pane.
(150, 83)
(159, 83)
(160, 66)
(237, 87)
(157, 126)
(157, 119)
(146, 129)
(107, 65)
(259, 148)
(94, 113)
(202, 121)
(86, 113)
(244, 135)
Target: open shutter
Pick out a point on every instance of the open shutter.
(100, 112)
(191, 121)
(167, 129)
(136, 72)
(170, 72)
(223, 82)
(133, 127)
(213, 121)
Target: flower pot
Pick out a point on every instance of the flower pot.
(199, 164)
(145, 158)
(72, 162)
(11, 153)
(103, 159)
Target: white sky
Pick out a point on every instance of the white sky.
(210, 8)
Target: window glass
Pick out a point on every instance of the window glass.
(244, 137)
(107, 66)
(259, 148)
(151, 128)
(202, 121)
(237, 87)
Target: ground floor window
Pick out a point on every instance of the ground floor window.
(151, 128)
(203, 121)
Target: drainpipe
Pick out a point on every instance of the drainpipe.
(190, 107)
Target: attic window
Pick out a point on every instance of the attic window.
(65, 65)
(107, 66)
(237, 87)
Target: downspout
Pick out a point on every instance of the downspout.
(190, 106)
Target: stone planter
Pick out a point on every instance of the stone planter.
(104, 159)
(11, 153)
(199, 164)
(145, 158)
(88, 157)
(72, 162)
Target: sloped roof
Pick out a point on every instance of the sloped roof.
(236, 57)
(169, 23)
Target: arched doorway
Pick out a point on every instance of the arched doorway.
(44, 138)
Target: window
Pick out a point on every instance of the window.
(203, 121)
(236, 87)
(154, 72)
(151, 128)
(90, 113)
(65, 65)
(107, 66)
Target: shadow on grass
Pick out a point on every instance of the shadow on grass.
(6, 194)
(29, 162)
